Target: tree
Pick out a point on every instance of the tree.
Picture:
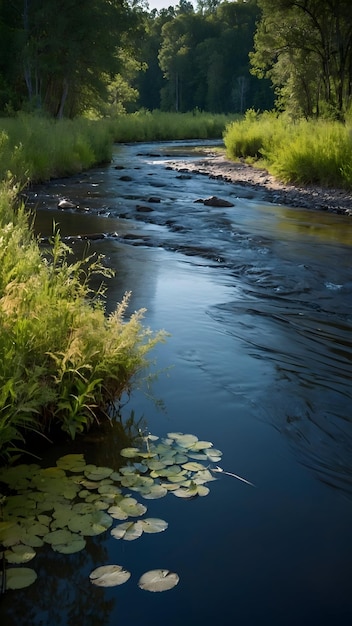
(65, 49)
(305, 48)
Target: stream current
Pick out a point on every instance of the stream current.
(257, 299)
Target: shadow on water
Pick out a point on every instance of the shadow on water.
(258, 301)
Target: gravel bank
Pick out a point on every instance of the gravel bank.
(270, 188)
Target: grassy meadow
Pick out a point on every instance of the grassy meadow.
(302, 152)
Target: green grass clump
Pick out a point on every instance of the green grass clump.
(63, 361)
(303, 152)
(37, 149)
(159, 126)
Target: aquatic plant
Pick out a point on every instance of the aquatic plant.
(62, 506)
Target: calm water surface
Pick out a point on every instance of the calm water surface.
(257, 299)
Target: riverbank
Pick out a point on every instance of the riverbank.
(215, 165)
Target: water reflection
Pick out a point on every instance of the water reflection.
(258, 301)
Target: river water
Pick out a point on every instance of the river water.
(257, 299)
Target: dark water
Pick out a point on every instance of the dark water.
(258, 301)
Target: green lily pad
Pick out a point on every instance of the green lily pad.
(182, 440)
(56, 537)
(19, 554)
(213, 455)
(72, 462)
(193, 466)
(132, 507)
(158, 580)
(154, 492)
(117, 513)
(99, 473)
(129, 531)
(130, 453)
(75, 544)
(154, 525)
(109, 576)
(19, 577)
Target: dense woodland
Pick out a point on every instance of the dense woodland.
(72, 57)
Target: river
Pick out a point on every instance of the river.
(257, 299)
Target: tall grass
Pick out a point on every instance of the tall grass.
(63, 361)
(35, 149)
(303, 152)
(159, 126)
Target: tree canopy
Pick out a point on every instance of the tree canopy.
(65, 57)
(305, 48)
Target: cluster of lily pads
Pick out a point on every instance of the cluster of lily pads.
(61, 506)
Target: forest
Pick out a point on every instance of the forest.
(105, 57)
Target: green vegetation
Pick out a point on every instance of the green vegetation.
(116, 56)
(63, 505)
(66, 82)
(63, 361)
(302, 152)
(305, 48)
(147, 126)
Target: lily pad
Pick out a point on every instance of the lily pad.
(19, 554)
(19, 577)
(99, 473)
(154, 525)
(72, 462)
(154, 492)
(57, 536)
(130, 453)
(129, 531)
(75, 544)
(158, 580)
(109, 576)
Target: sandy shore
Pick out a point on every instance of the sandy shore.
(272, 190)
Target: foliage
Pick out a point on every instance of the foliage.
(63, 361)
(301, 152)
(60, 506)
(58, 60)
(157, 125)
(34, 148)
(305, 48)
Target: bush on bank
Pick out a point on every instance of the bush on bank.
(302, 152)
(62, 360)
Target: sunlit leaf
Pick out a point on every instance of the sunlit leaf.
(184, 441)
(128, 531)
(109, 576)
(154, 492)
(201, 445)
(192, 466)
(154, 525)
(213, 455)
(117, 513)
(19, 554)
(132, 507)
(158, 580)
(72, 462)
(130, 453)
